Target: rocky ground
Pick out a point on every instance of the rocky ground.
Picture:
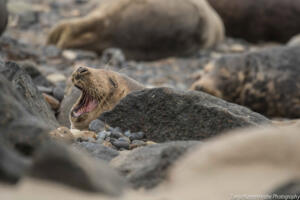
(139, 146)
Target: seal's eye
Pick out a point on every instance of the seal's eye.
(114, 84)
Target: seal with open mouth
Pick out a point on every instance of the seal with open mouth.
(101, 90)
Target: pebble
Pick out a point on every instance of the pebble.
(97, 126)
(102, 135)
(116, 134)
(120, 144)
(126, 139)
(137, 143)
(56, 77)
(137, 136)
(58, 93)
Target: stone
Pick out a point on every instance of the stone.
(188, 26)
(19, 127)
(166, 114)
(3, 16)
(83, 135)
(71, 96)
(12, 165)
(58, 93)
(37, 77)
(266, 81)
(148, 166)
(57, 77)
(97, 150)
(137, 136)
(62, 133)
(120, 144)
(256, 21)
(97, 126)
(35, 102)
(56, 162)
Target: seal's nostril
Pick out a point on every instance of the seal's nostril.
(82, 70)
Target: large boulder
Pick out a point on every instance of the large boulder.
(56, 162)
(18, 127)
(263, 20)
(267, 81)
(35, 102)
(12, 165)
(148, 29)
(3, 16)
(148, 166)
(166, 114)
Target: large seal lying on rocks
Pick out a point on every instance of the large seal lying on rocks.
(3, 16)
(268, 20)
(101, 91)
(267, 81)
(143, 29)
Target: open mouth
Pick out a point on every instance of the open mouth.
(86, 104)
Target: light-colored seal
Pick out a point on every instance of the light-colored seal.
(143, 29)
(101, 90)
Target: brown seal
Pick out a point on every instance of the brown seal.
(143, 29)
(101, 90)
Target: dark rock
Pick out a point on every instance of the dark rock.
(116, 134)
(37, 77)
(71, 96)
(255, 21)
(96, 126)
(18, 127)
(267, 81)
(98, 150)
(123, 138)
(33, 98)
(120, 144)
(165, 114)
(12, 165)
(57, 163)
(137, 136)
(58, 93)
(27, 19)
(148, 166)
(3, 16)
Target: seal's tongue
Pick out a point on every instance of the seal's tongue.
(87, 104)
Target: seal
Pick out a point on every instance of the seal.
(267, 81)
(101, 90)
(257, 21)
(143, 29)
(3, 16)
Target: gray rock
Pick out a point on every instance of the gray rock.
(58, 93)
(120, 144)
(71, 96)
(137, 136)
(58, 163)
(35, 102)
(27, 19)
(96, 126)
(148, 166)
(19, 128)
(3, 16)
(166, 114)
(12, 165)
(97, 150)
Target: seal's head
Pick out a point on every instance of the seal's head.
(101, 90)
(98, 86)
